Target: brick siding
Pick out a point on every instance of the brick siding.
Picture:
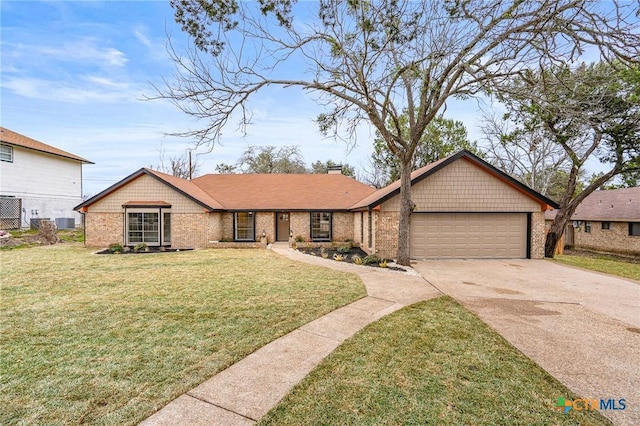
(537, 235)
(616, 239)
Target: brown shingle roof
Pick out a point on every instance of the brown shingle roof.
(615, 205)
(284, 191)
(13, 138)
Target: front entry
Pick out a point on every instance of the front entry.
(282, 226)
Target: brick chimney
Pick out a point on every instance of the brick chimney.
(335, 170)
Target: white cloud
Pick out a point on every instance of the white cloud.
(36, 88)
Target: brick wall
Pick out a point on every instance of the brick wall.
(266, 221)
(342, 224)
(616, 239)
(386, 231)
(226, 221)
(299, 223)
(189, 230)
(103, 229)
(537, 235)
(358, 235)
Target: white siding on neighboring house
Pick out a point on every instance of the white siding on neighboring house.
(46, 183)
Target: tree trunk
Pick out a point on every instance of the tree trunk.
(555, 232)
(406, 206)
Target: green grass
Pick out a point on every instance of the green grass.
(433, 363)
(603, 263)
(109, 339)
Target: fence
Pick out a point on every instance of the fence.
(10, 212)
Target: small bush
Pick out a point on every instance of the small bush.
(116, 248)
(299, 239)
(343, 249)
(140, 247)
(338, 257)
(324, 253)
(357, 259)
(371, 259)
(383, 264)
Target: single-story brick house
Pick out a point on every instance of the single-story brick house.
(606, 221)
(464, 208)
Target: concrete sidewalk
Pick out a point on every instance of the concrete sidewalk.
(246, 391)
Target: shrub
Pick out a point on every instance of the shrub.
(116, 248)
(338, 257)
(140, 247)
(343, 249)
(357, 259)
(383, 264)
(299, 239)
(372, 259)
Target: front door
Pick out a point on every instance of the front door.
(282, 226)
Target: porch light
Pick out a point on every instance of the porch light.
(290, 232)
(264, 233)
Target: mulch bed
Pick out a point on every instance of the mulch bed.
(346, 257)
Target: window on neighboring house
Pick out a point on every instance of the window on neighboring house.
(144, 226)
(587, 227)
(245, 226)
(321, 226)
(6, 153)
(606, 225)
(634, 229)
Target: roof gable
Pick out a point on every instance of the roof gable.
(10, 137)
(182, 186)
(393, 189)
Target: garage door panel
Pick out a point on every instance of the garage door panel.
(469, 235)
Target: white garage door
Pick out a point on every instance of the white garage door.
(469, 235)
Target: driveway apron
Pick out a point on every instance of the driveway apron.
(582, 327)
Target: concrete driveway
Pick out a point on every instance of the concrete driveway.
(582, 327)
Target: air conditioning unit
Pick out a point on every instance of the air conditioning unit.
(35, 223)
(65, 223)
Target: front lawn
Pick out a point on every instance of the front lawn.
(111, 339)
(614, 265)
(433, 363)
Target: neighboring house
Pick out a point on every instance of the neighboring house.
(464, 208)
(37, 181)
(606, 221)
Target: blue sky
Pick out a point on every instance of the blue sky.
(74, 75)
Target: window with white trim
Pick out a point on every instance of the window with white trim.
(6, 153)
(143, 225)
(321, 226)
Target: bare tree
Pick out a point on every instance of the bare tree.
(590, 112)
(372, 61)
(529, 156)
(182, 166)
